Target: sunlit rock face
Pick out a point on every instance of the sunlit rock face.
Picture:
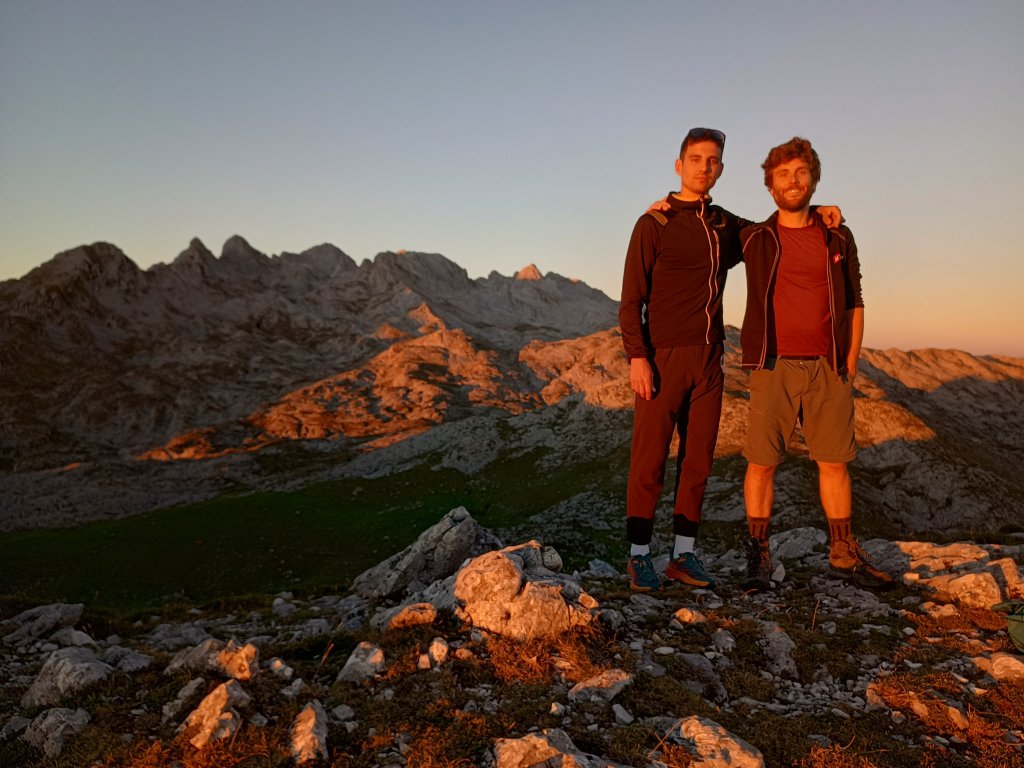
(133, 389)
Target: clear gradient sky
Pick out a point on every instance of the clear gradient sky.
(500, 134)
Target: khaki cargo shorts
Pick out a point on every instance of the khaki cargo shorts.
(807, 390)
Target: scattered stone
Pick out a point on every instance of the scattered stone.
(1002, 667)
(688, 616)
(66, 671)
(797, 543)
(279, 669)
(405, 616)
(125, 659)
(622, 715)
(172, 708)
(603, 687)
(511, 592)
(713, 746)
(723, 641)
(294, 690)
(230, 659)
(778, 648)
(216, 718)
(365, 662)
(51, 728)
(309, 734)
(42, 620)
(435, 555)
(973, 590)
(17, 724)
(551, 747)
(343, 713)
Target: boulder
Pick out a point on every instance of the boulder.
(226, 658)
(1003, 667)
(712, 746)
(603, 687)
(510, 592)
(365, 663)
(436, 554)
(309, 734)
(216, 718)
(549, 747)
(66, 671)
(42, 621)
(973, 590)
(405, 616)
(51, 728)
(797, 543)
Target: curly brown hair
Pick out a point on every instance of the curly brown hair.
(794, 149)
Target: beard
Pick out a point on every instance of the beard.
(793, 204)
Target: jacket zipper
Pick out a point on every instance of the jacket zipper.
(767, 294)
(713, 254)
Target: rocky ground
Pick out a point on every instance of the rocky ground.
(456, 653)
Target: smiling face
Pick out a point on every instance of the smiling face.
(699, 169)
(792, 185)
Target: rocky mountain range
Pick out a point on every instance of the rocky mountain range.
(128, 389)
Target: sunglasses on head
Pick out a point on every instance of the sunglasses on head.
(697, 134)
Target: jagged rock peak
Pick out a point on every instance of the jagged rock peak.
(237, 249)
(420, 265)
(195, 253)
(86, 262)
(529, 272)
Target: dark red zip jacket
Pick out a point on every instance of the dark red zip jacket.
(761, 253)
(675, 273)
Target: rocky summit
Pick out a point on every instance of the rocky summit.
(127, 390)
(462, 651)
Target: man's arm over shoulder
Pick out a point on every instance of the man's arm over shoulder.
(851, 263)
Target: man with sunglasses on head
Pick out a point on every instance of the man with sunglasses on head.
(673, 333)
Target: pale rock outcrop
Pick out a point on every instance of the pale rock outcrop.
(226, 658)
(549, 747)
(512, 593)
(66, 671)
(973, 590)
(437, 553)
(687, 616)
(125, 659)
(309, 734)
(1004, 667)
(405, 616)
(928, 556)
(53, 727)
(602, 687)
(778, 647)
(712, 746)
(364, 663)
(797, 543)
(174, 707)
(216, 718)
(41, 621)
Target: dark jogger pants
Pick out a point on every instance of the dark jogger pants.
(689, 383)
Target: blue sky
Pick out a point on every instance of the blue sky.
(501, 134)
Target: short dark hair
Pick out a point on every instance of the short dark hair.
(702, 134)
(794, 149)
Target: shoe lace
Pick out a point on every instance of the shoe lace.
(644, 566)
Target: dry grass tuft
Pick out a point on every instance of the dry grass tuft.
(834, 756)
(538, 661)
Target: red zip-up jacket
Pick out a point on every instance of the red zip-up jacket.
(761, 254)
(675, 272)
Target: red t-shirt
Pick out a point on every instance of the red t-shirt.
(801, 303)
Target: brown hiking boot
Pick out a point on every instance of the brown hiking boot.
(849, 561)
(759, 567)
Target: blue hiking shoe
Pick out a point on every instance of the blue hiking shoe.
(689, 569)
(642, 577)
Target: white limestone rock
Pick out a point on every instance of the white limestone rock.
(52, 728)
(364, 663)
(64, 672)
(548, 747)
(41, 621)
(511, 592)
(217, 717)
(227, 658)
(309, 734)
(973, 590)
(603, 687)
(712, 746)
(436, 554)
